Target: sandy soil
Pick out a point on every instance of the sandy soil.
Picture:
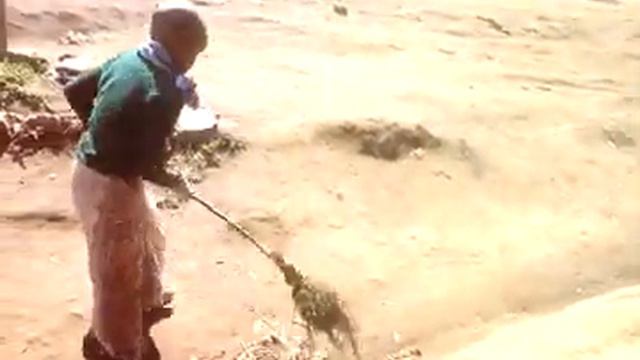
(522, 244)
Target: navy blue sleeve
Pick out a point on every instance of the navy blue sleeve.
(159, 120)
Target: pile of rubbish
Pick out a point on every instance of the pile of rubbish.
(22, 136)
(17, 72)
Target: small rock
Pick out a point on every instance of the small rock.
(52, 176)
(340, 10)
(74, 38)
(406, 354)
(167, 204)
(618, 138)
(443, 174)
(494, 25)
(76, 313)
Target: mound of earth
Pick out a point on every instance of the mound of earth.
(388, 141)
(18, 75)
(24, 136)
(603, 327)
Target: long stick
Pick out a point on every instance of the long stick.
(233, 224)
(3, 27)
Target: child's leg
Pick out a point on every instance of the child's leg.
(155, 294)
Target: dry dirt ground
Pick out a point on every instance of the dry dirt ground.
(518, 240)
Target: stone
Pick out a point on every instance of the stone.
(340, 10)
(618, 138)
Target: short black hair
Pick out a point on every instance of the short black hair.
(178, 20)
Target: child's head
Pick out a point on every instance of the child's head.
(178, 27)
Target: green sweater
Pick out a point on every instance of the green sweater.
(134, 112)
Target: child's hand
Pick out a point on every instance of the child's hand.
(188, 88)
(181, 187)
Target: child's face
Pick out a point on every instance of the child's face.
(185, 48)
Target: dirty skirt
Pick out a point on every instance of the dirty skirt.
(125, 247)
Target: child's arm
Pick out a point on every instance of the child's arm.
(160, 119)
(81, 92)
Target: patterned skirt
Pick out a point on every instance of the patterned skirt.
(125, 246)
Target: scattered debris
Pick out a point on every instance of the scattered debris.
(168, 203)
(494, 25)
(266, 349)
(394, 142)
(405, 354)
(16, 72)
(340, 10)
(618, 138)
(38, 64)
(380, 139)
(75, 38)
(278, 346)
(11, 96)
(443, 174)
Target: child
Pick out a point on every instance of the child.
(130, 106)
